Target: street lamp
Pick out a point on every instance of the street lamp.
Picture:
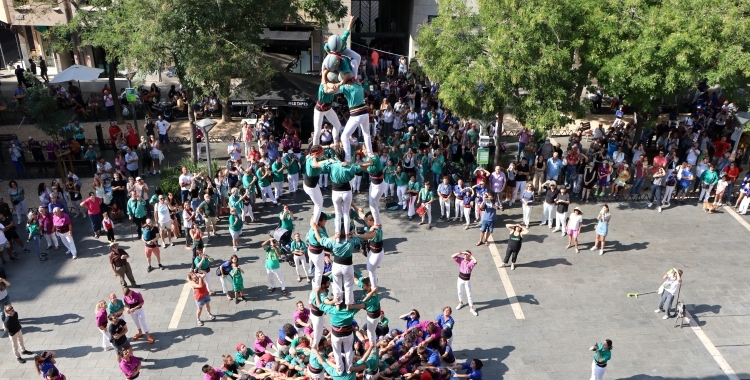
(205, 126)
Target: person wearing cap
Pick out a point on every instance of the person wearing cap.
(575, 222)
(243, 354)
(64, 229)
(466, 263)
(118, 262)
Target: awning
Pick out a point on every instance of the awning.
(281, 93)
(282, 35)
(309, 84)
(743, 118)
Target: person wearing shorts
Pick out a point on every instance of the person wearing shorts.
(163, 126)
(489, 210)
(162, 214)
(150, 237)
(575, 221)
(208, 209)
(201, 295)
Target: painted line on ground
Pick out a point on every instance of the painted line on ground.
(180, 306)
(728, 371)
(737, 216)
(512, 298)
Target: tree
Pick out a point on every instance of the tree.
(43, 108)
(214, 46)
(507, 56)
(654, 50)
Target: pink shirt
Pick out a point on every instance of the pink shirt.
(260, 346)
(464, 266)
(438, 330)
(92, 205)
(303, 316)
(62, 220)
(133, 299)
(129, 367)
(101, 318)
(46, 222)
(218, 374)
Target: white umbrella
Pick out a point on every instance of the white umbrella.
(78, 73)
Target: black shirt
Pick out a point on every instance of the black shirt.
(521, 168)
(117, 328)
(550, 195)
(12, 324)
(122, 192)
(150, 129)
(563, 207)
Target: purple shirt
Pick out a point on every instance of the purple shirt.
(303, 316)
(129, 367)
(497, 182)
(260, 347)
(218, 374)
(464, 266)
(62, 220)
(133, 299)
(101, 318)
(438, 330)
(523, 138)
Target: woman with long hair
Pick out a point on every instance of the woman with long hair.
(602, 228)
(101, 323)
(201, 295)
(517, 232)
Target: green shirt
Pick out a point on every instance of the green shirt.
(378, 235)
(262, 182)
(209, 208)
(339, 318)
(136, 208)
(710, 177)
(310, 170)
(236, 203)
(376, 167)
(278, 171)
(292, 165)
(286, 221)
(241, 359)
(311, 236)
(33, 229)
(344, 37)
(343, 174)
(373, 304)
(235, 222)
(426, 195)
(297, 246)
(115, 307)
(437, 164)
(272, 258)
(390, 174)
(354, 94)
(323, 97)
(473, 136)
(401, 179)
(412, 186)
(247, 180)
(602, 356)
(206, 263)
(341, 248)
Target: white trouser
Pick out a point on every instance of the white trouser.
(560, 219)
(477, 209)
(356, 59)
(292, 181)
(318, 260)
(445, 206)
(199, 148)
(51, 239)
(428, 213)
(362, 121)
(520, 186)
(597, 373)
(323, 180)
(343, 282)
(373, 261)
(744, 205)
(412, 202)
(342, 202)
(372, 323)
(22, 210)
(464, 283)
(317, 199)
(223, 280)
(355, 182)
(106, 337)
(315, 376)
(317, 326)
(526, 213)
(332, 118)
(139, 318)
(390, 189)
(400, 192)
(459, 204)
(67, 240)
(207, 280)
(376, 191)
(467, 215)
(271, 273)
(247, 211)
(343, 345)
(266, 192)
(299, 261)
(706, 193)
(278, 188)
(246, 145)
(548, 213)
(668, 194)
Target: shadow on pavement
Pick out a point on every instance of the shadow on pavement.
(619, 247)
(546, 263)
(492, 360)
(255, 314)
(62, 319)
(741, 376)
(485, 305)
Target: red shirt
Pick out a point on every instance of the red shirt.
(201, 292)
(732, 173)
(720, 147)
(93, 206)
(131, 138)
(480, 178)
(113, 132)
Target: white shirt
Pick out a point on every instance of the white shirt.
(618, 157)
(692, 156)
(186, 223)
(671, 285)
(163, 125)
(3, 239)
(162, 211)
(232, 149)
(185, 178)
(107, 167)
(131, 165)
(574, 221)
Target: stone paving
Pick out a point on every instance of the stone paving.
(569, 300)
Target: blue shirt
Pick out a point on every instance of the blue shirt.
(474, 374)
(411, 322)
(447, 326)
(553, 168)
(433, 358)
(488, 213)
(273, 151)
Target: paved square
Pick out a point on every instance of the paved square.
(568, 300)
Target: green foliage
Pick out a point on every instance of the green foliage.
(509, 55)
(654, 49)
(169, 179)
(42, 106)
